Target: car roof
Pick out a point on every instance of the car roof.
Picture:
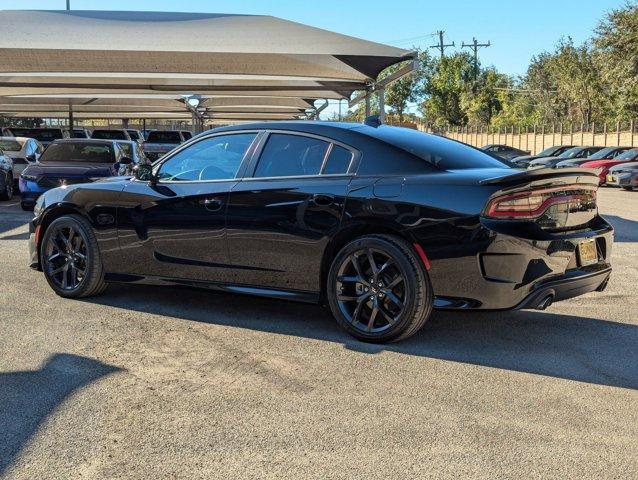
(18, 139)
(85, 140)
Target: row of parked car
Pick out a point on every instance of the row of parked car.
(34, 160)
(616, 166)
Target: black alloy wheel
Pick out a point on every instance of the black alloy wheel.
(70, 258)
(378, 289)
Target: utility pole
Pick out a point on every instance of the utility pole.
(441, 45)
(474, 46)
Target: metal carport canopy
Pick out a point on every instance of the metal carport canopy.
(141, 52)
(45, 105)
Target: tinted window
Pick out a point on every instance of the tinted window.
(41, 134)
(338, 160)
(78, 152)
(133, 134)
(109, 134)
(10, 146)
(164, 137)
(214, 158)
(78, 134)
(437, 151)
(291, 155)
(187, 135)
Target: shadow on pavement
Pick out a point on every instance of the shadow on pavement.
(563, 346)
(27, 398)
(625, 230)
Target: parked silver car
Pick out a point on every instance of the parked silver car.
(22, 151)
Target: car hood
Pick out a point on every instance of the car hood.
(66, 169)
(14, 154)
(546, 160)
(524, 158)
(624, 166)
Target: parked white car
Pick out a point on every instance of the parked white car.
(22, 151)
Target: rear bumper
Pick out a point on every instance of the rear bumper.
(496, 271)
(570, 286)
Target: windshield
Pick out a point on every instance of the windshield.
(628, 154)
(548, 152)
(438, 151)
(10, 145)
(109, 134)
(78, 152)
(571, 153)
(41, 134)
(164, 137)
(78, 133)
(604, 153)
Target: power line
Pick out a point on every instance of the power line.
(441, 45)
(474, 46)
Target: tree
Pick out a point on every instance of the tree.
(617, 57)
(444, 87)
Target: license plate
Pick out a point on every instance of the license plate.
(587, 252)
(611, 179)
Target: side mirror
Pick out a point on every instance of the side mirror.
(144, 173)
(125, 161)
(31, 158)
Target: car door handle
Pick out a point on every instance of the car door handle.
(322, 199)
(213, 204)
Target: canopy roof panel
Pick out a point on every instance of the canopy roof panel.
(185, 52)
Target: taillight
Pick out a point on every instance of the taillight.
(533, 203)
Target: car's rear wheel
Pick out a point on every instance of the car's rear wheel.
(628, 188)
(7, 188)
(378, 289)
(71, 259)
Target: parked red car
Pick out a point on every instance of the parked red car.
(605, 164)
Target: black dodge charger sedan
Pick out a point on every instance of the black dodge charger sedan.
(383, 224)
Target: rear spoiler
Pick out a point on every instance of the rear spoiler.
(585, 176)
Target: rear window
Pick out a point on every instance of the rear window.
(10, 146)
(41, 134)
(440, 152)
(78, 134)
(164, 137)
(109, 135)
(78, 152)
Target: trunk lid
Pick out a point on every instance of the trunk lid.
(556, 200)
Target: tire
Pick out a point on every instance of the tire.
(403, 305)
(629, 189)
(81, 271)
(27, 207)
(7, 187)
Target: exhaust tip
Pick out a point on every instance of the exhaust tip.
(545, 302)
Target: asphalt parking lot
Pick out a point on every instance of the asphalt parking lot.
(147, 382)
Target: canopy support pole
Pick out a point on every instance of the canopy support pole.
(382, 104)
(408, 69)
(70, 117)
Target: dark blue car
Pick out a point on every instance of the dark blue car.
(70, 161)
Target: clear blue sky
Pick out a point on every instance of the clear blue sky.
(517, 30)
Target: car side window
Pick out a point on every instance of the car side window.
(213, 158)
(338, 161)
(291, 155)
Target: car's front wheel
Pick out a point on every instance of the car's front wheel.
(629, 189)
(378, 289)
(71, 259)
